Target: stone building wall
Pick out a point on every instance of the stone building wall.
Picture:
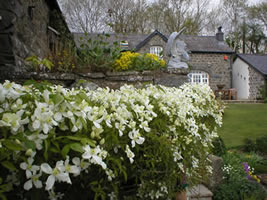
(26, 29)
(214, 64)
(24, 32)
(155, 41)
(219, 70)
(256, 83)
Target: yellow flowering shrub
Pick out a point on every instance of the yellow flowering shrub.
(135, 61)
(125, 61)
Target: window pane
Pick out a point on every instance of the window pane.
(198, 77)
(156, 50)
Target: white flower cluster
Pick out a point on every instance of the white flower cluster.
(227, 169)
(34, 114)
(156, 194)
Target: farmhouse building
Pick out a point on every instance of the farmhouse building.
(28, 28)
(210, 57)
(250, 75)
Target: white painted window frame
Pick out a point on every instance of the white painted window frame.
(197, 76)
(156, 50)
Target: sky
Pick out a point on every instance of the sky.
(216, 2)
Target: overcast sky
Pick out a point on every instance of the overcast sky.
(216, 2)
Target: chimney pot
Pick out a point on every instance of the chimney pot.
(220, 34)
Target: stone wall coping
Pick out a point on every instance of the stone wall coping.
(183, 71)
(95, 75)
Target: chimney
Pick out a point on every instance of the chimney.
(220, 34)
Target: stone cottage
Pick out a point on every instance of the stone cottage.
(250, 75)
(28, 28)
(210, 57)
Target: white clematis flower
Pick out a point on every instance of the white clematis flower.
(33, 180)
(14, 120)
(129, 154)
(72, 169)
(29, 167)
(135, 136)
(56, 174)
(94, 155)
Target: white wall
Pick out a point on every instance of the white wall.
(241, 78)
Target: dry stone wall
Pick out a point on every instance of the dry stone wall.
(256, 83)
(114, 80)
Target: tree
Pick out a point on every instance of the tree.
(138, 19)
(259, 12)
(256, 39)
(119, 15)
(233, 13)
(173, 15)
(84, 15)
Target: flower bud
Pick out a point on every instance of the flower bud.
(92, 134)
(29, 152)
(102, 141)
(17, 141)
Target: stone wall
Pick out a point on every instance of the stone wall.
(256, 83)
(214, 64)
(114, 80)
(23, 33)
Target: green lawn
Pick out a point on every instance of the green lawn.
(243, 121)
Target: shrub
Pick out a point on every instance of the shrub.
(138, 62)
(104, 143)
(261, 144)
(39, 64)
(97, 54)
(64, 60)
(260, 167)
(125, 62)
(249, 145)
(238, 180)
(218, 148)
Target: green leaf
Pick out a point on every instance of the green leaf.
(84, 124)
(65, 150)
(57, 98)
(46, 147)
(29, 144)
(12, 145)
(77, 147)
(8, 165)
(83, 140)
(54, 150)
(47, 63)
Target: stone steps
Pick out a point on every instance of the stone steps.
(199, 192)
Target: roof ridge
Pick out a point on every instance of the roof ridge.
(149, 37)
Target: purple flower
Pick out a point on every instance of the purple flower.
(246, 168)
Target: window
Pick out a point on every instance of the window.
(156, 50)
(124, 43)
(198, 77)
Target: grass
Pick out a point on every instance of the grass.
(243, 121)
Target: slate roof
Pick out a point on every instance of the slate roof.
(195, 44)
(149, 37)
(258, 62)
(205, 44)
